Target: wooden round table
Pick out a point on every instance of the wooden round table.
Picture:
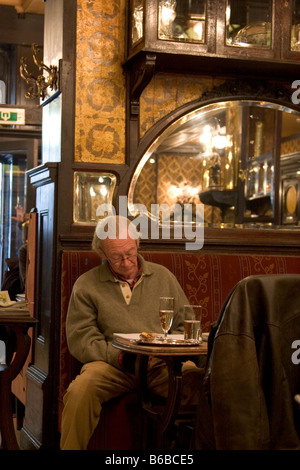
(174, 356)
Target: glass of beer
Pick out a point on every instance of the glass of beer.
(166, 314)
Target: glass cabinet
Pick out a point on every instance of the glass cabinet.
(158, 24)
(238, 28)
(249, 23)
(182, 21)
(136, 22)
(176, 20)
(295, 26)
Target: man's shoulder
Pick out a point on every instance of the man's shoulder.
(150, 267)
(89, 274)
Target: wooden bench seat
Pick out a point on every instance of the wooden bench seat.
(206, 279)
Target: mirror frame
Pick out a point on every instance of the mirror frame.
(230, 90)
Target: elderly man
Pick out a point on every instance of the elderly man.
(120, 295)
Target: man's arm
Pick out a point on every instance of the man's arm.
(85, 340)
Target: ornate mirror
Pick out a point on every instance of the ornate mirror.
(239, 158)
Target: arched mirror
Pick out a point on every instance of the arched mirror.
(240, 158)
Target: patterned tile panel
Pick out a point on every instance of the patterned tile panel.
(100, 84)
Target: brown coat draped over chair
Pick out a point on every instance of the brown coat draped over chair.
(251, 378)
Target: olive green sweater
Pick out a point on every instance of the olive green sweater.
(97, 310)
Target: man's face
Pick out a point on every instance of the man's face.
(121, 253)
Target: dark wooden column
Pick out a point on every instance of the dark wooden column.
(53, 183)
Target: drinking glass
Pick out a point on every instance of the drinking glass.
(166, 314)
(192, 323)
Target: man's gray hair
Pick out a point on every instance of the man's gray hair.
(111, 227)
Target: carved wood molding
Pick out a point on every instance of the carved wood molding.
(250, 89)
(140, 74)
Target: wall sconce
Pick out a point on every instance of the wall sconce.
(40, 83)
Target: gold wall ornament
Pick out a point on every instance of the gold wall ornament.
(38, 85)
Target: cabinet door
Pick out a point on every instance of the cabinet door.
(249, 29)
(171, 25)
(290, 36)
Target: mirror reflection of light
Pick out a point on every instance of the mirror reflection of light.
(167, 13)
(198, 28)
(174, 192)
(92, 191)
(220, 141)
(182, 193)
(103, 191)
(228, 13)
(206, 137)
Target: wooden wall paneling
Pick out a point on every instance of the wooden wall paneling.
(39, 424)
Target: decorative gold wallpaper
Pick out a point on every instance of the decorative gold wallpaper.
(173, 173)
(100, 83)
(291, 146)
(165, 93)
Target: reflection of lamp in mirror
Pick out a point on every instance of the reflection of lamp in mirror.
(220, 141)
(229, 172)
(167, 15)
(195, 30)
(295, 37)
(206, 138)
(137, 27)
(205, 175)
(258, 142)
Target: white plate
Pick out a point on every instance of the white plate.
(172, 340)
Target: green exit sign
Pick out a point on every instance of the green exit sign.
(12, 116)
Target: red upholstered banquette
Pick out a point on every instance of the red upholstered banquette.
(206, 279)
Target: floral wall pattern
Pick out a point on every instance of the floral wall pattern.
(100, 84)
(165, 93)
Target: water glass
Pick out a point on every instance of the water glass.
(192, 323)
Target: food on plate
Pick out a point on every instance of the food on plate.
(147, 336)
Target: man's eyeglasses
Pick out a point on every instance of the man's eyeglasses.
(118, 261)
